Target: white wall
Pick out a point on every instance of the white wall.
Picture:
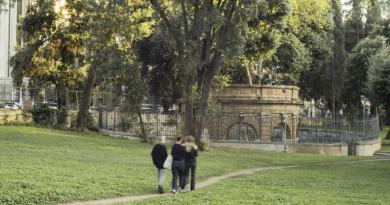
(8, 39)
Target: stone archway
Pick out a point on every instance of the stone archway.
(241, 131)
(260, 107)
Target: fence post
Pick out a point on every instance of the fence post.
(4, 95)
(77, 102)
(114, 119)
(316, 130)
(157, 123)
(218, 126)
(239, 126)
(106, 118)
(21, 97)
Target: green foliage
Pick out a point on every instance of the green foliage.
(3, 4)
(161, 68)
(357, 67)
(41, 166)
(53, 43)
(378, 80)
(222, 81)
(342, 183)
(48, 117)
(354, 24)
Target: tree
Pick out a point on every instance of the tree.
(356, 70)
(112, 26)
(373, 17)
(339, 54)
(354, 24)
(204, 33)
(5, 3)
(53, 42)
(378, 82)
(161, 67)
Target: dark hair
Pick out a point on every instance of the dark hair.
(190, 139)
(183, 141)
(179, 137)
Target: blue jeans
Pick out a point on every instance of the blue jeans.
(189, 166)
(177, 169)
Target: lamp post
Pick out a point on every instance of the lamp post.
(285, 116)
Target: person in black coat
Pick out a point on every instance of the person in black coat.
(159, 155)
(178, 153)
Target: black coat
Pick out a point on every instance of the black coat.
(159, 155)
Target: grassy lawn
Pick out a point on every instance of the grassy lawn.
(345, 183)
(41, 166)
(385, 143)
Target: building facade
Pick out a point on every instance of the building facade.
(9, 36)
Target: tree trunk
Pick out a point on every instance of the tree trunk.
(259, 70)
(205, 96)
(189, 105)
(248, 76)
(143, 137)
(380, 120)
(388, 135)
(86, 101)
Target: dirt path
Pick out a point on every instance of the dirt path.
(206, 183)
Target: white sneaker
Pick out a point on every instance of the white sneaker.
(187, 188)
(174, 191)
(180, 190)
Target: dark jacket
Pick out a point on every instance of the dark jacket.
(159, 155)
(191, 155)
(178, 152)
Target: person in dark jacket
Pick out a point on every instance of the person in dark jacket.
(178, 155)
(190, 163)
(159, 155)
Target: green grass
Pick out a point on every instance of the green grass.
(41, 166)
(385, 143)
(344, 183)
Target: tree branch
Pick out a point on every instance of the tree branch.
(185, 21)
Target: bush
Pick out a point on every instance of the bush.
(48, 117)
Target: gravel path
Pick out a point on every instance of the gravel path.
(200, 185)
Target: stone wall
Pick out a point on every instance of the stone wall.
(14, 116)
(332, 149)
(368, 148)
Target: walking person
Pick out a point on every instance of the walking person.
(190, 163)
(178, 155)
(159, 155)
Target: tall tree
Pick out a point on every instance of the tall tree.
(378, 82)
(204, 33)
(354, 24)
(112, 26)
(53, 41)
(161, 67)
(373, 16)
(356, 70)
(338, 55)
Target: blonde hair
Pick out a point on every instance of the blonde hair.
(161, 139)
(190, 139)
(190, 143)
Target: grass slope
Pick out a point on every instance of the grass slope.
(41, 166)
(345, 183)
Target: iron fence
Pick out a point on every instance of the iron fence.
(30, 97)
(155, 123)
(291, 128)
